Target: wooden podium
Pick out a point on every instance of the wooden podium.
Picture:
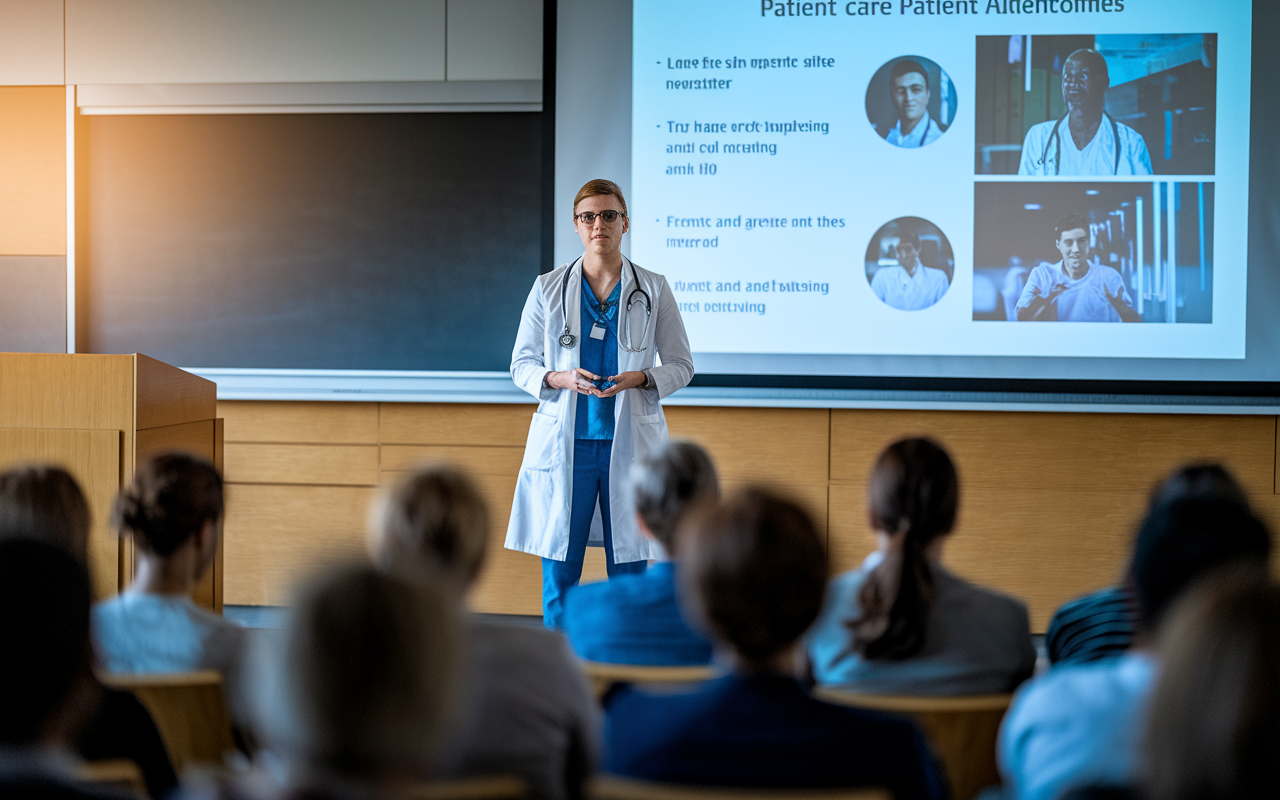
(99, 416)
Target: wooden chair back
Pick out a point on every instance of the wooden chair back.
(961, 730)
(497, 787)
(120, 774)
(603, 676)
(608, 787)
(190, 710)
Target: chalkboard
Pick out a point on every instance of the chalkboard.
(334, 241)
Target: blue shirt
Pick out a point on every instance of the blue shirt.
(633, 619)
(594, 418)
(1077, 725)
(763, 731)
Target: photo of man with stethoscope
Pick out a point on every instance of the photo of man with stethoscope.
(591, 337)
(921, 102)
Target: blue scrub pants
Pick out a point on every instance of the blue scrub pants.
(590, 481)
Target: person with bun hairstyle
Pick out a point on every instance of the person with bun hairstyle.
(902, 623)
(171, 509)
(753, 572)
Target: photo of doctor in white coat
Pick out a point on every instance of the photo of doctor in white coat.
(591, 336)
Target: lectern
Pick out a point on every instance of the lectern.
(99, 416)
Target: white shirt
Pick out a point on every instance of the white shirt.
(1047, 153)
(925, 132)
(1085, 299)
(1077, 725)
(910, 292)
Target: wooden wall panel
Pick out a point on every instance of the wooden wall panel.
(504, 461)
(1066, 451)
(301, 423)
(93, 457)
(778, 445)
(317, 464)
(277, 535)
(456, 423)
(33, 171)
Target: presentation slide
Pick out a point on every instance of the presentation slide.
(935, 177)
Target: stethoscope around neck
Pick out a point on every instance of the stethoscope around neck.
(1055, 135)
(568, 340)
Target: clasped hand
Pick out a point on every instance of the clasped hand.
(584, 382)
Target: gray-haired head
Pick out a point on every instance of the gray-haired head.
(666, 483)
(361, 688)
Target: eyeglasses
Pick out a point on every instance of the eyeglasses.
(589, 217)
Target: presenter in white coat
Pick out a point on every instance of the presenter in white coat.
(591, 335)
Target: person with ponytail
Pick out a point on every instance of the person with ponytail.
(171, 509)
(904, 624)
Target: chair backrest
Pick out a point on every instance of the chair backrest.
(603, 675)
(961, 730)
(190, 711)
(608, 787)
(120, 774)
(498, 787)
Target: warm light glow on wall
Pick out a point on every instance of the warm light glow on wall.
(33, 171)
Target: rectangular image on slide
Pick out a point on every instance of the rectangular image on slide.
(1093, 105)
(1093, 252)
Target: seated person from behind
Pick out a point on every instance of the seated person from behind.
(1086, 140)
(1104, 623)
(526, 708)
(47, 689)
(171, 509)
(1080, 724)
(753, 571)
(902, 623)
(909, 285)
(1075, 289)
(355, 702)
(636, 619)
(45, 503)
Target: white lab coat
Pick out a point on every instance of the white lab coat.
(540, 512)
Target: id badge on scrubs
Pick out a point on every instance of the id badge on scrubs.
(597, 331)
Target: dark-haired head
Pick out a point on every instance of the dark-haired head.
(754, 572)
(1199, 481)
(46, 679)
(44, 502)
(1182, 542)
(1213, 732)
(667, 483)
(173, 496)
(906, 67)
(912, 499)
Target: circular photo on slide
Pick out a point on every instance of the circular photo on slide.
(909, 264)
(911, 101)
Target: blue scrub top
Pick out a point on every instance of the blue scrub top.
(594, 418)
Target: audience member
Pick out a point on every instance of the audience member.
(1103, 624)
(636, 619)
(527, 708)
(355, 702)
(171, 509)
(1079, 724)
(902, 623)
(47, 689)
(753, 571)
(45, 503)
(1213, 732)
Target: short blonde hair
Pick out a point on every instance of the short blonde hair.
(600, 188)
(435, 518)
